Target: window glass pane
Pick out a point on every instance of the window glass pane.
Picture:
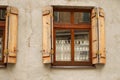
(61, 17)
(2, 14)
(80, 17)
(1, 44)
(81, 48)
(63, 45)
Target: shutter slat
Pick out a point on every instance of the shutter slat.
(102, 59)
(94, 36)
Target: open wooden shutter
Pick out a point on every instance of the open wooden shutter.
(47, 34)
(11, 35)
(98, 36)
(102, 52)
(94, 36)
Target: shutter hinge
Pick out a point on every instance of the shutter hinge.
(6, 51)
(98, 56)
(52, 51)
(97, 53)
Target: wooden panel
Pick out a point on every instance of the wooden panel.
(12, 46)
(94, 36)
(102, 59)
(11, 35)
(47, 32)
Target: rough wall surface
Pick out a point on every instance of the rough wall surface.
(29, 63)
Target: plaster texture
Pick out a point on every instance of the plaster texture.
(29, 64)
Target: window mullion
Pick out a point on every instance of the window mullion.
(72, 45)
(72, 17)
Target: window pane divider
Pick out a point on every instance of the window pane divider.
(72, 45)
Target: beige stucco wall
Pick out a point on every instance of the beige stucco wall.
(29, 64)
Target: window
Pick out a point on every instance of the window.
(73, 36)
(8, 34)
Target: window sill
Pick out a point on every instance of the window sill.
(74, 67)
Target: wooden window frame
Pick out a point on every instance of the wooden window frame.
(72, 27)
(2, 27)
